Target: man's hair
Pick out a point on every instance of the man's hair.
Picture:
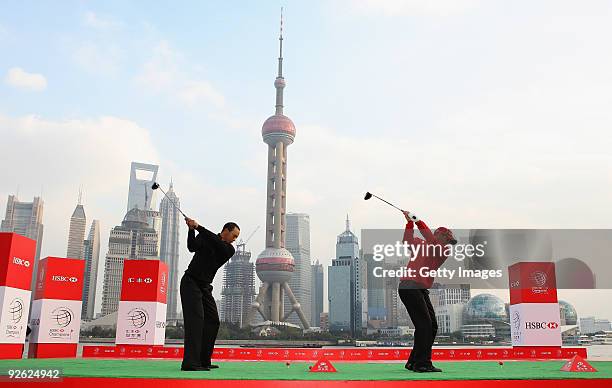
(230, 226)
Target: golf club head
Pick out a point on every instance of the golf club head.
(368, 195)
(155, 186)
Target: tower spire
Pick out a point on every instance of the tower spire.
(80, 195)
(279, 83)
(348, 223)
(280, 41)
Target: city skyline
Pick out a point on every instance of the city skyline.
(431, 86)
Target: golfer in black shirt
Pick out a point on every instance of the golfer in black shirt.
(199, 307)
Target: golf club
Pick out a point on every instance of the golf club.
(156, 186)
(369, 195)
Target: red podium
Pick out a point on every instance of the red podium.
(141, 318)
(534, 308)
(17, 255)
(56, 308)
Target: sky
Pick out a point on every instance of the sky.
(473, 114)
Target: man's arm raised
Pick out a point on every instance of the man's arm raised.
(193, 243)
(409, 231)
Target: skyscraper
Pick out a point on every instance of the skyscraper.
(169, 246)
(238, 290)
(449, 301)
(25, 218)
(346, 283)
(375, 291)
(133, 239)
(298, 243)
(76, 232)
(317, 294)
(91, 256)
(141, 193)
(275, 264)
(396, 314)
(447, 294)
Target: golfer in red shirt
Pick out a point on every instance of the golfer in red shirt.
(414, 289)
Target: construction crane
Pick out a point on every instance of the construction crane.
(242, 244)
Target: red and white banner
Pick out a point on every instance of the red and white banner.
(56, 309)
(339, 354)
(17, 255)
(141, 317)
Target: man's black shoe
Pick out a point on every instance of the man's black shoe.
(195, 368)
(409, 366)
(212, 366)
(426, 369)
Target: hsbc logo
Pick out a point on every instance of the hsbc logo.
(61, 278)
(541, 325)
(140, 280)
(18, 261)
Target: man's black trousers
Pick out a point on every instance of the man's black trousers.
(201, 322)
(424, 319)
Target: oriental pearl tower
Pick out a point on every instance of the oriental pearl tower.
(275, 264)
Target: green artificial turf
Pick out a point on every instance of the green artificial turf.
(165, 369)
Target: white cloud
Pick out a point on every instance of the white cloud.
(19, 78)
(410, 7)
(3, 33)
(195, 91)
(98, 58)
(168, 73)
(96, 21)
(483, 174)
(57, 157)
(60, 156)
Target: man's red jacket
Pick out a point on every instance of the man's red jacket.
(430, 253)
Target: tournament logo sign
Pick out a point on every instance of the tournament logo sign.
(538, 278)
(16, 310)
(138, 317)
(61, 318)
(13, 329)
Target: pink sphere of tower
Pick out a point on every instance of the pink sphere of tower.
(275, 265)
(278, 127)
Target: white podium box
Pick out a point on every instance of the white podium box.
(141, 323)
(15, 304)
(535, 324)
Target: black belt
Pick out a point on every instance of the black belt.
(200, 282)
(411, 284)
